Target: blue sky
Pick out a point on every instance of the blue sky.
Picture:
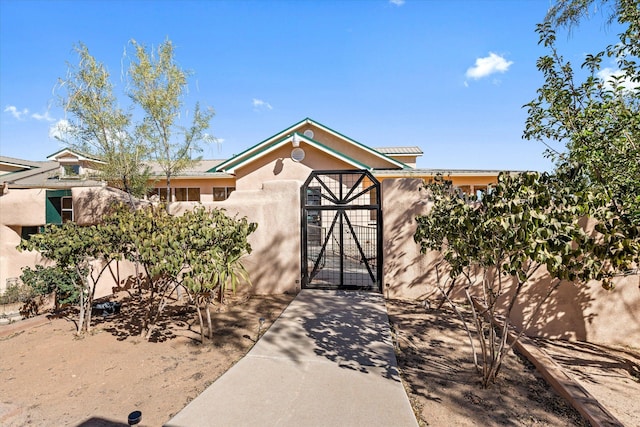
(450, 76)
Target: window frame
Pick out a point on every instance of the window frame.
(68, 210)
(226, 192)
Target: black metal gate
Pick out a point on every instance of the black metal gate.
(341, 231)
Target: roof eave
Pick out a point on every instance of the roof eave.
(302, 138)
(258, 148)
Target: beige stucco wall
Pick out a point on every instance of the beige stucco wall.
(274, 264)
(406, 272)
(18, 208)
(23, 207)
(89, 203)
(278, 165)
(586, 312)
(12, 261)
(26, 207)
(346, 148)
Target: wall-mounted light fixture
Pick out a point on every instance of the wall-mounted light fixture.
(295, 141)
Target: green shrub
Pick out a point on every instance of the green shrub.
(16, 292)
(63, 282)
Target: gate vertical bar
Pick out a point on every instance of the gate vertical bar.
(380, 238)
(341, 213)
(304, 282)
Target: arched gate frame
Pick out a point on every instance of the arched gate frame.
(341, 231)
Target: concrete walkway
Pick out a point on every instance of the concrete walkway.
(327, 361)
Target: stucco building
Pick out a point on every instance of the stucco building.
(331, 212)
(35, 193)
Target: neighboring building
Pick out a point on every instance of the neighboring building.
(48, 181)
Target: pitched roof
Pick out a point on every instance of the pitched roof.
(40, 175)
(286, 135)
(12, 161)
(80, 155)
(236, 162)
(39, 171)
(199, 169)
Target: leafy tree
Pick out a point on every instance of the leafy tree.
(530, 223)
(598, 121)
(495, 248)
(98, 127)
(213, 245)
(84, 252)
(158, 86)
(144, 237)
(199, 251)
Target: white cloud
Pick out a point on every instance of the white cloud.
(397, 2)
(607, 75)
(15, 112)
(45, 117)
(24, 114)
(259, 104)
(59, 130)
(487, 66)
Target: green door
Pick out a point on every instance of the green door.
(53, 210)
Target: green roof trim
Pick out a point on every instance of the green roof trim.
(276, 144)
(225, 164)
(267, 144)
(361, 145)
(333, 151)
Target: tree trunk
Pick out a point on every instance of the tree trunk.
(81, 315)
(169, 198)
(210, 327)
(201, 323)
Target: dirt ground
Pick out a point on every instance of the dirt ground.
(435, 360)
(50, 378)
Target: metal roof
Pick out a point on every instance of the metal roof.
(38, 171)
(445, 172)
(26, 164)
(44, 175)
(198, 169)
(409, 150)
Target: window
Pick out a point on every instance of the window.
(71, 170)
(66, 209)
(187, 194)
(465, 189)
(179, 194)
(222, 193)
(162, 193)
(28, 231)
